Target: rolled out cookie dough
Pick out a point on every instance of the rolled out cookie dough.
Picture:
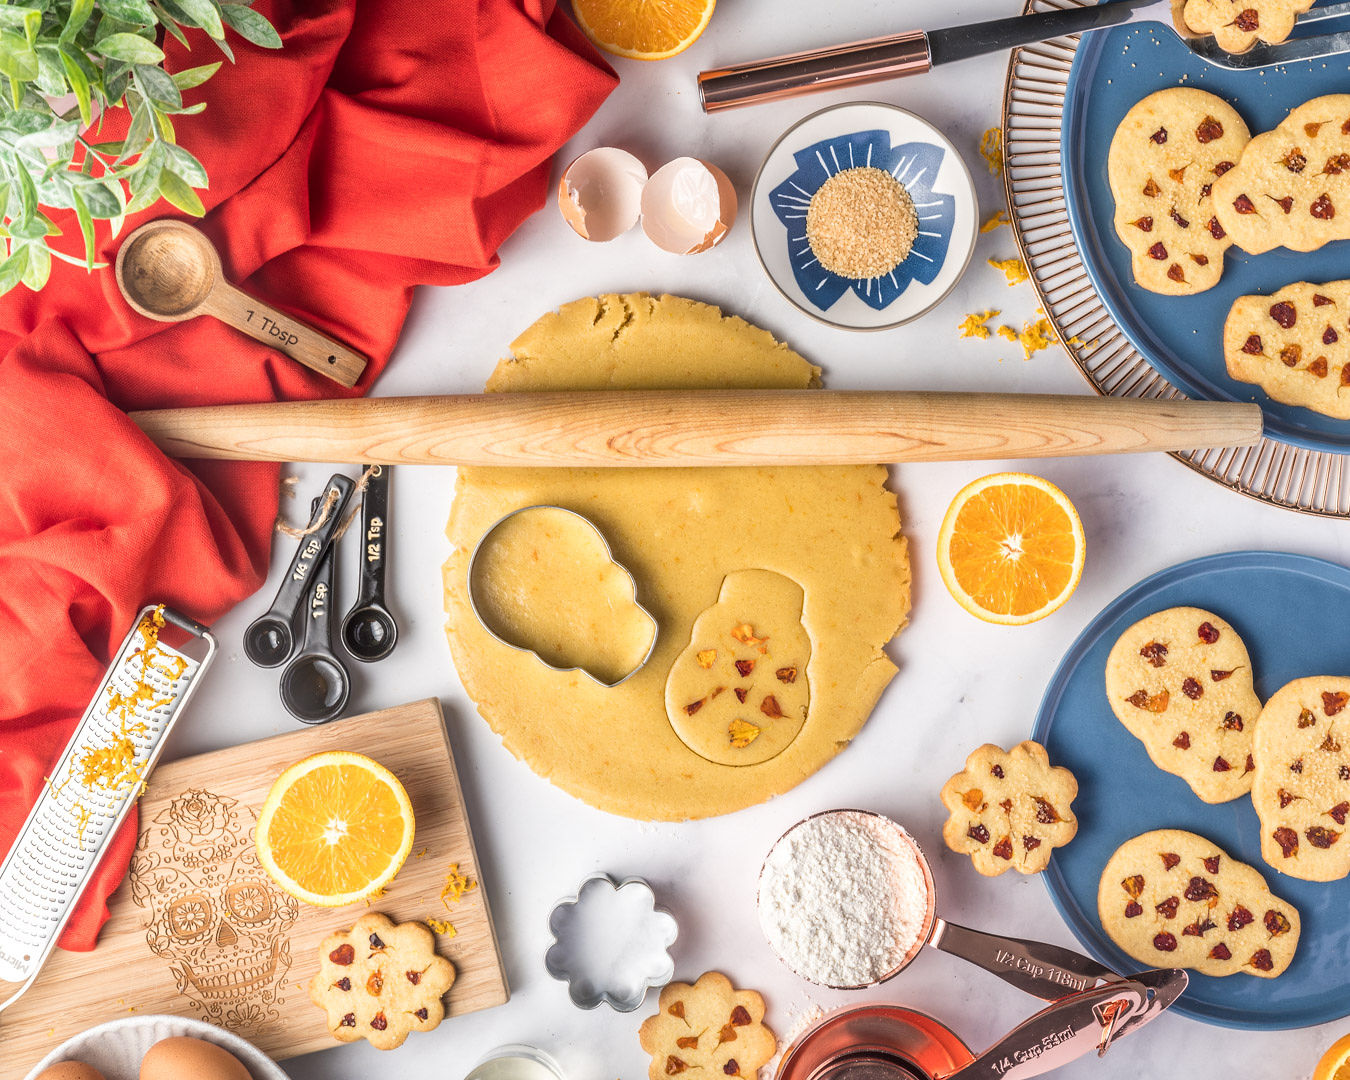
(833, 530)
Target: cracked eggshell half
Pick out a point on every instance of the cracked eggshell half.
(688, 206)
(600, 193)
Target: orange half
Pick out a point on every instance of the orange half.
(1335, 1063)
(1011, 548)
(643, 29)
(335, 828)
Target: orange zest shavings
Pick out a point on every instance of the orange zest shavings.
(114, 766)
(1015, 270)
(991, 149)
(440, 926)
(973, 325)
(1000, 217)
(1034, 336)
(456, 885)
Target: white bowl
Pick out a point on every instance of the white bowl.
(115, 1049)
(866, 133)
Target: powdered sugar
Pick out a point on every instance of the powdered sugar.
(842, 898)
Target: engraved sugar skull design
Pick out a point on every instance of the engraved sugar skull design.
(214, 916)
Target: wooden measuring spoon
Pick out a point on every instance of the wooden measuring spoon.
(169, 271)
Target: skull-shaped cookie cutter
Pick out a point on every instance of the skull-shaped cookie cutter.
(638, 959)
(609, 553)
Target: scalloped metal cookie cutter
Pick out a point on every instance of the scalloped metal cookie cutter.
(639, 959)
(609, 553)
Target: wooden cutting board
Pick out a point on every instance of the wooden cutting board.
(198, 929)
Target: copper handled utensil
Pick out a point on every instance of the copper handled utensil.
(682, 428)
(169, 271)
(1035, 967)
(885, 1042)
(917, 51)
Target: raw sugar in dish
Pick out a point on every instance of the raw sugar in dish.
(861, 223)
(842, 898)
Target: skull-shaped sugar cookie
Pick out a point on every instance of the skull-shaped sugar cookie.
(739, 693)
(707, 1030)
(1294, 344)
(1292, 186)
(1166, 156)
(1009, 809)
(1173, 899)
(1180, 681)
(1237, 24)
(1302, 788)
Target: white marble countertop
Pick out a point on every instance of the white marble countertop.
(960, 683)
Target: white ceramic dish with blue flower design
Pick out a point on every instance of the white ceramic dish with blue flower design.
(857, 135)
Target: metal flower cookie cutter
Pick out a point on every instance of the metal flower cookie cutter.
(478, 601)
(611, 943)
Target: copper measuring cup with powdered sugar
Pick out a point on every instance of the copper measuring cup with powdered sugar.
(891, 1042)
(1046, 971)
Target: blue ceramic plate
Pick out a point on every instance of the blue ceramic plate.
(1182, 337)
(857, 135)
(1291, 612)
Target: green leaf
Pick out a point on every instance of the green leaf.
(114, 86)
(80, 10)
(251, 25)
(96, 193)
(86, 221)
(28, 228)
(175, 11)
(204, 14)
(165, 126)
(27, 193)
(185, 165)
(136, 12)
(79, 84)
(13, 269)
(177, 191)
(17, 59)
(138, 134)
(190, 77)
(172, 27)
(130, 48)
(157, 87)
(51, 76)
(39, 267)
(190, 110)
(15, 14)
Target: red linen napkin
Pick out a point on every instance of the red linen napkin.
(389, 144)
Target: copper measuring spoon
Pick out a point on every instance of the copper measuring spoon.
(1046, 971)
(169, 271)
(270, 638)
(369, 632)
(315, 686)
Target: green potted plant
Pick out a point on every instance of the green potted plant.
(63, 65)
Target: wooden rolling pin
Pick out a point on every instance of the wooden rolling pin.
(603, 428)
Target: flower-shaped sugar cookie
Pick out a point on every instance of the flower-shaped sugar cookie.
(1236, 24)
(707, 1030)
(380, 981)
(1009, 809)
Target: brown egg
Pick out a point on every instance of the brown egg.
(70, 1070)
(186, 1058)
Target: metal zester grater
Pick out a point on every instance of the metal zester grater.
(66, 833)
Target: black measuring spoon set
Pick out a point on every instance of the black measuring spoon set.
(315, 684)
